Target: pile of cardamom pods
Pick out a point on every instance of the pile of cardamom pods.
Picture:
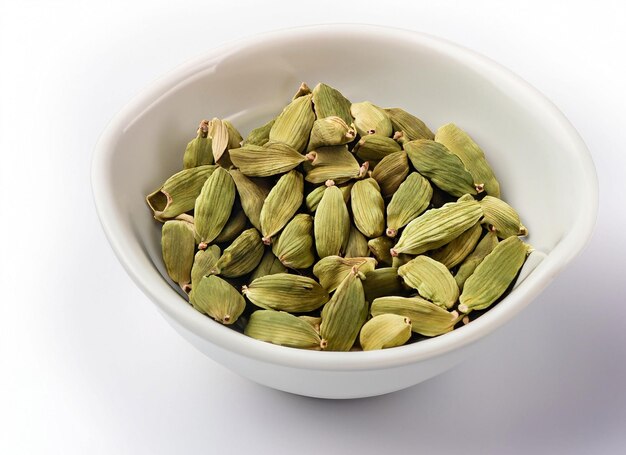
(338, 226)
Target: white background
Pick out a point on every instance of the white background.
(88, 366)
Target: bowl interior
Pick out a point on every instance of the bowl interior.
(542, 165)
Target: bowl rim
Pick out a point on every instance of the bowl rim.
(169, 303)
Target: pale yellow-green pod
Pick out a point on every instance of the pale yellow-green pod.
(385, 331)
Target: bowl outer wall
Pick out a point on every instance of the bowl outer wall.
(128, 238)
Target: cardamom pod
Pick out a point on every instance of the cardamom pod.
(330, 131)
(385, 331)
(501, 218)
(252, 194)
(218, 299)
(302, 91)
(179, 192)
(484, 247)
(286, 292)
(263, 161)
(432, 280)
(293, 125)
(357, 244)
(462, 145)
(375, 147)
(198, 151)
(242, 256)
(408, 202)
(436, 227)
(383, 282)
(281, 328)
(294, 245)
(442, 167)
(426, 318)
(204, 263)
(493, 275)
(177, 246)
(218, 132)
(381, 249)
(344, 315)
(390, 172)
(314, 321)
(281, 204)
(332, 163)
(269, 265)
(214, 205)
(370, 119)
(328, 102)
(259, 136)
(331, 270)
(331, 225)
(453, 253)
(411, 126)
(234, 226)
(234, 136)
(368, 208)
(401, 259)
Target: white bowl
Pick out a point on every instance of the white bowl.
(544, 168)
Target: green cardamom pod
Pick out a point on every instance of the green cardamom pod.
(331, 225)
(177, 246)
(303, 90)
(401, 259)
(242, 256)
(426, 318)
(259, 136)
(293, 125)
(203, 264)
(484, 247)
(432, 280)
(368, 208)
(375, 147)
(234, 226)
(331, 270)
(411, 126)
(281, 328)
(344, 315)
(453, 253)
(381, 249)
(408, 202)
(314, 321)
(390, 172)
(493, 275)
(252, 194)
(281, 204)
(263, 161)
(332, 163)
(328, 102)
(385, 331)
(286, 292)
(370, 119)
(214, 205)
(461, 144)
(330, 131)
(294, 245)
(234, 137)
(218, 132)
(218, 299)
(269, 265)
(179, 192)
(357, 244)
(383, 282)
(436, 227)
(198, 151)
(501, 218)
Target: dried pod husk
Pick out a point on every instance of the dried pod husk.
(259, 136)
(368, 208)
(263, 161)
(411, 126)
(328, 102)
(344, 315)
(242, 256)
(331, 131)
(436, 227)
(234, 226)
(286, 292)
(218, 299)
(390, 172)
(501, 218)
(218, 132)
(382, 282)
(331, 163)
(293, 125)
(375, 147)
(331, 270)
(453, 253)
(442, 167)
(179, 192)
(380, 248)
(408, 202)
(178, 246)
(331, 225)
(385, 331)
(357, 244)
(269, 265)
(234, 136)
(484, 247)
(294, 245)
(432, 280)
(370, 119)
(199, 150)
(204, 264)
(493, 275)
(281, 204)
(283, 329)
(302, 91)
(461, 144)
(426, 318)
(252, 194)
(214, 205)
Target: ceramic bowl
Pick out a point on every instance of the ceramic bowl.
(543, 166)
